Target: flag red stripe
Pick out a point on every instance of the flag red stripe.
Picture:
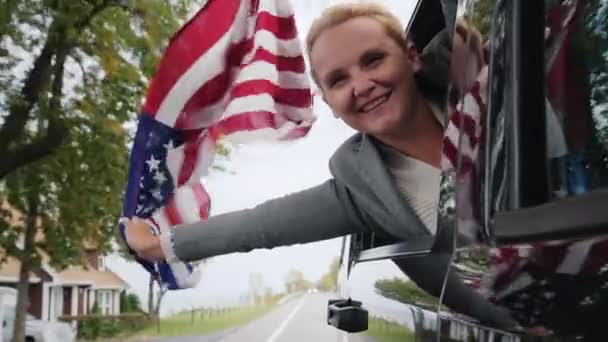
(450, 151)
(282, 63)
(245, 122)
(476, 93)
(297, 132)
(206, 28)
(172, 212)
(212, 92)
(191, 149)
(252, 121)
(292, 97)
(468, 125)
(281, 27)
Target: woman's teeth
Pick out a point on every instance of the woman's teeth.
(375, 103)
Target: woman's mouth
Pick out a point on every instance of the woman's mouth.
(375, 103)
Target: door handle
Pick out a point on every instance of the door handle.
(347, 315)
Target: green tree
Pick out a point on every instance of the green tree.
(596, 53)
(405, 292)
(129, 302)
(256, 287)
(329, 281)
(62, 134)
(296, 282)
(481, 17)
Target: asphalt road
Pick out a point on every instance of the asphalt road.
(301, 319)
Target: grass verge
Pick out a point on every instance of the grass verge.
(203, 322)
(381, 330)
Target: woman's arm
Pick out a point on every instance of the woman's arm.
(311, 215)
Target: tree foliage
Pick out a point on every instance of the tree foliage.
(596, 52)
(296, 282)
(72, 75)
(257, 287)
(82, 68)
(129, 302)
(329, 281)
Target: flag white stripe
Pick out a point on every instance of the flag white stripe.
(277, 8)
(575, 257)
(262, 134)
(186, 204)
(175, 160)
(263, 70)
(279, 47)
(453, 134)
(204, 159)
(264, 102)
(183, 277)
(160, 217)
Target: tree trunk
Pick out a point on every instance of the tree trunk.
(151, 295)
(26, 266)
(161, 294)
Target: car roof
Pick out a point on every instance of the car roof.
(426, 22)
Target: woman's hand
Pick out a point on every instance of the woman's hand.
(142, 240)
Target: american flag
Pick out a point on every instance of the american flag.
(234, 70)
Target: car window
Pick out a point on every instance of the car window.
(577, 96)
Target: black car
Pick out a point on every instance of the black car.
(524, 186)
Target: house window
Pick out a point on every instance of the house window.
(100, 263)
(104, 301)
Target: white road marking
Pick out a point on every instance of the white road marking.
(281, 327)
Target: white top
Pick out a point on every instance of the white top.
(418, 184)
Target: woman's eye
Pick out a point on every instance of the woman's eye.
(374, 59)
(336, 81)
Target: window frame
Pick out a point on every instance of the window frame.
(528, 214)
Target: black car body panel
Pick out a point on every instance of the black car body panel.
(524, 191)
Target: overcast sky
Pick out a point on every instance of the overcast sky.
(265, 171)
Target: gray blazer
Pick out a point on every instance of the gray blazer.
(360, 197)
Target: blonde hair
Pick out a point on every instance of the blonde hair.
(338, 14)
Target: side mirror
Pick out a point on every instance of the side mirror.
(347, 315)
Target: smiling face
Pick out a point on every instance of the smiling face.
(366, 77)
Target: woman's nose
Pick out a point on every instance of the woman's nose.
(362, 87)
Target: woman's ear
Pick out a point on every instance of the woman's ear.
(412, 55)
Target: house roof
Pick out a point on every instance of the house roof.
(73, 275)
(102, 279)
(85, 275)
(9, 271)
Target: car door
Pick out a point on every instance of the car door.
(530, 181)
(8, 321)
